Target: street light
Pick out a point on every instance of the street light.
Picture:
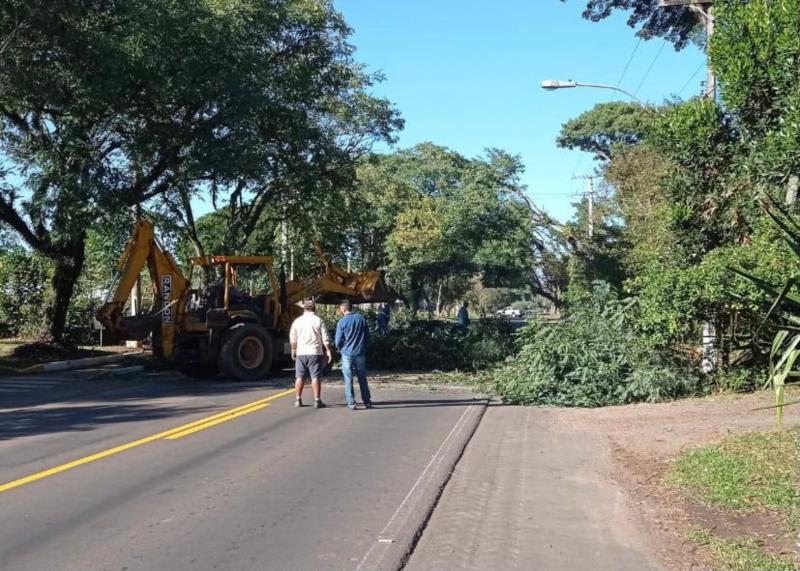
(553, 84)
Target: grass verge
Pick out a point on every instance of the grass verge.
(9, 364)
(745, 471)
(743, 555)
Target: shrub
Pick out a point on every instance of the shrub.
(24, 281)
(429, 344)
(595, 357)
(741, 380)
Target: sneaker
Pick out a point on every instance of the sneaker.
(319, 404)
(298, 403)
(351, 406)
(367, 405)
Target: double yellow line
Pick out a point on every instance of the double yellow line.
(171, 434)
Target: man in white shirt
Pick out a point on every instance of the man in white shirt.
(311, 351)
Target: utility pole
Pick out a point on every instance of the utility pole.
(136, 292)
(705, 9)
(791, 190)
(590, 196)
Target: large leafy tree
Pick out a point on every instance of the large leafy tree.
(716, 160)
(104, 105)
(677, 24)
(605, 128)
(755, 53)
(434, 219)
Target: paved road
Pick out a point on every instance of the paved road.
(264, 487)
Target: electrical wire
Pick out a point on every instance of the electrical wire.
(649, 69)
(688, 81)
(630, 59)
(552, 194)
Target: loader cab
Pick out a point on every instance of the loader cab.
(232, 325)
(245, 289)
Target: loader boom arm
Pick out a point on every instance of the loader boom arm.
(168, 282)
(337, 284)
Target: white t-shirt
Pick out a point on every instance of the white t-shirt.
(309, 333)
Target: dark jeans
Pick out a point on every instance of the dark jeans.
(359, 363)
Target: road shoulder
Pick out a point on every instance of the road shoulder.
(527, 496)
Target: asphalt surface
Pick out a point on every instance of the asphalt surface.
(264, 487)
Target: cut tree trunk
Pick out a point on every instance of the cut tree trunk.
(68, 265)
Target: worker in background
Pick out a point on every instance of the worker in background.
(463, 314)
(383, 318)
(351, 339)
(311, 350)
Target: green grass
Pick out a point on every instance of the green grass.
(8, 364)
(743, 555)
(746, 471)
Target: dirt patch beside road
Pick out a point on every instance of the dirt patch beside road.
(646, 437)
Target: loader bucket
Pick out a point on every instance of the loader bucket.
(137, 328)
(373, 288)
(358, 287)
(124, 327)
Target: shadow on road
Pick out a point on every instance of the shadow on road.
(81, 418)
(118, 391)
(83, 405)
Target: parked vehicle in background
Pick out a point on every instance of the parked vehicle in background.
(509, 312)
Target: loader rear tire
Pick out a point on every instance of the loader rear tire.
(247, 353)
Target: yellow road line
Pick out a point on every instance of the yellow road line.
(121, 448)
(214, 422)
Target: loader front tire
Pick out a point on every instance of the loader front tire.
(247, 353)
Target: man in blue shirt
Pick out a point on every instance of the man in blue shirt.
(383, 319)
(463, 315)
(351, 339)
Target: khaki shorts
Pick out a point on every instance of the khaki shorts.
(309, 366)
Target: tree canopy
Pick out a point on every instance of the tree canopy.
(676, 24)
(107, 105)
(605, 128)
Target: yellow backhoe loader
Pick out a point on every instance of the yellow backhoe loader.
(222, 327)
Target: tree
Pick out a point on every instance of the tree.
(434, 218)
(754, 52)
(104, 105)
(637, 174)
(605, 128)
(676, 24)
(700, 143)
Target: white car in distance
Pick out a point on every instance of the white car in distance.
(509, 312)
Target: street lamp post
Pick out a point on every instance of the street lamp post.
(553, 84)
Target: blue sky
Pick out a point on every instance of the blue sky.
(466, 74)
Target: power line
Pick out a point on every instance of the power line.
(688, 81)
(649, 69)
(630, 59)
(553, 194)
(578, 163)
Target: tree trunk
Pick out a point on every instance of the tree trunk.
(439, 299)
(414, 294)
(68, 265)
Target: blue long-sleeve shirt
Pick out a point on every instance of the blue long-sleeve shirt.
(352, 334)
